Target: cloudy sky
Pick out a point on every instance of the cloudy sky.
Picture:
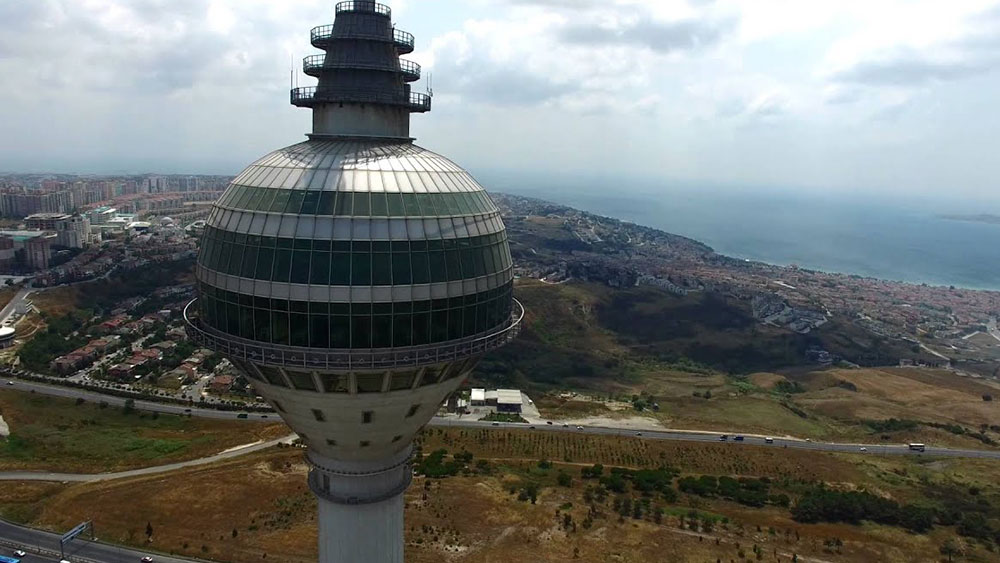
(884, 96)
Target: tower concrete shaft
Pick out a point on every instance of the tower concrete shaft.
(361, 507)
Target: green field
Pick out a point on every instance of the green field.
(55, 434)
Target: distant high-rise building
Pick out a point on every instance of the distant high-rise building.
(356, 279)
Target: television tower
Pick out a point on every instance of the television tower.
(356, 279)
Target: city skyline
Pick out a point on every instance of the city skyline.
(893, 98)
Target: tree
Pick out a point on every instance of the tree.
(129, 406)
(235, 533)
(149, 530)
(564, 479)
(951, 548)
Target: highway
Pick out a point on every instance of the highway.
(43, 547)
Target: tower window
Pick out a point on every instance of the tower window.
(367, 417)
(365, 443)
(413, 410)
(319, 415)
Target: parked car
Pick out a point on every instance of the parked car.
(723, 438)
(19, 553)
(738, 439)
(768, 440)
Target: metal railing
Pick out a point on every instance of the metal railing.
(347, 359)
(404, 40)
(366, 6)
(312, 63)
(306, 96)
(420, 102)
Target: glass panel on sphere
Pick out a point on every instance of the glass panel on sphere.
(381, 268)
(282, 265)
(361, 331)
(361, 273)
(319, 331)
(369, 382)
(280, 201)
(436, 263)
(410, 204)
(454, 265)
(395, 205)
(319, 273)
(381, 331)
(439, 326)
(340, 269)
(262, 325)
(401, 268)
(295, 198)
(249, 262)
(421, 328)
(310, 203)
(265, 259)
(345, 203)
(421, 269)
(340, 331)
(379, 206)
(299, 326)
(401, 331)
(326, 203)
(362, 205)
(279, 327)
(300, 266)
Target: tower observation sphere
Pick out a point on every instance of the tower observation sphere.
(356, 279)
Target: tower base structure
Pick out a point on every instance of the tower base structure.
(361, 507)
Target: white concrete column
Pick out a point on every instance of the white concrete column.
(360, 507)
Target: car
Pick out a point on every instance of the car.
(565, 425)
(723, 438)
(19, 553)
(579, 428)
(65, 561)
(863, 449)
(638, 433)
(549, 422)
(10, 382)
(532, 427)
(263, 416)
(146, 559)
(738, 438)
(808, 439)
(496, 424)
(187, 410)
(768, 440)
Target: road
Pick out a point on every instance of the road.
(679, 435)
(19, 298)
(43, 547)
(84, 477)
(151, 406)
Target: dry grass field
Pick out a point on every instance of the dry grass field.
(241, 509)
(56, 434)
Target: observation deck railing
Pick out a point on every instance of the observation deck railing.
(321, 35)
(306, 96)
(340, 359)
(363, 6)
(312, 64)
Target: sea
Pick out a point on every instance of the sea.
(894, 238)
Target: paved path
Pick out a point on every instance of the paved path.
(84, 477)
